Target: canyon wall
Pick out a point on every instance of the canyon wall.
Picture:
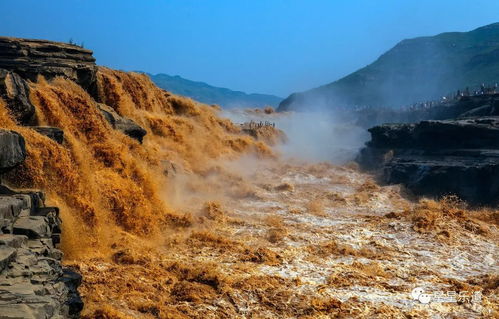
(441, 157)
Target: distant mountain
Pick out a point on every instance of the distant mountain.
(415, 70)
(208, 94)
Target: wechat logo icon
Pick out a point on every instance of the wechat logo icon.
(419, 294)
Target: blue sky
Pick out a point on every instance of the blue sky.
(264, 46)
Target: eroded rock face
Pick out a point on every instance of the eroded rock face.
(436, 158)
(33, 283)
(23, 60)
(12, 150)
(14, 90)
(30, 58)
(120, 123)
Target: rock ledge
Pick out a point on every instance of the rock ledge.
(436, 158)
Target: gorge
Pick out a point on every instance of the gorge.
(122, 200)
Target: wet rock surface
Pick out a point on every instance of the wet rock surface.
(12, 150)
(33, 283)
(14, 90)
(437, 158)
(53, 133)
(120, 123)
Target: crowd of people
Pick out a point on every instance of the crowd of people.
(253, 125)
(451, 97)
(480, 91)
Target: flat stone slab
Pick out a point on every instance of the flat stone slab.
(10, 207)
(14, 241)
(16, 311)
(6, 255)
(33, 226)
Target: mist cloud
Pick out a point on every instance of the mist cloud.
(312, 136)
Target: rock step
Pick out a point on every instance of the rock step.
(35, 227)
(33, 283)
(6, 255)
(14, 241)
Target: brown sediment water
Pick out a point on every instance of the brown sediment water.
(202, 221)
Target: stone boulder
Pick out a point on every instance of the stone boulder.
(10, 209)
(53, 133)
(436, 158)
(120, 123)
(31, 58)
(14, 90)
(12, 150)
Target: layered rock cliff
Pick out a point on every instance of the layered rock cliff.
(33, 283)
(437, 158)
(23, 60)
(31, 58)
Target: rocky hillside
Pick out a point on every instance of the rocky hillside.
(208, 94)
(415, 70)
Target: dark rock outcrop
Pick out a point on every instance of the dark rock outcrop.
(53, 133)
(436, 158)
(120, 123)
(14, 90)
(31, 58)
(12, 150)
(72, 280)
